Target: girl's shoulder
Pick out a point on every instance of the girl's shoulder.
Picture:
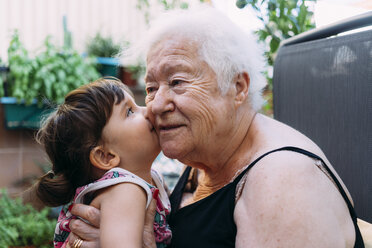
(110, 178)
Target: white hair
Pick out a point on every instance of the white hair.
(226, 48)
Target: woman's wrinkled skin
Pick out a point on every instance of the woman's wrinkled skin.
(189, 111)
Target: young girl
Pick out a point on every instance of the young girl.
(101, 146)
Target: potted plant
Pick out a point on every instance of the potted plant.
(35, 84)
(105, 50)
(23, 226)
(130, 74)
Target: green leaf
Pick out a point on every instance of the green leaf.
(22, 225)
(1, 87)
(241, 3)
(281, 19)
(184, 5)
(262, 34)
(271, 6)
(274, 44)
(46, 73)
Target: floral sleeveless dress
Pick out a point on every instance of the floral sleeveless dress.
(114, 176)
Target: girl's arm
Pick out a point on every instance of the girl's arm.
(89, 233)
(123, 208)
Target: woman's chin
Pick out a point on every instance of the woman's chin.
(172, 152)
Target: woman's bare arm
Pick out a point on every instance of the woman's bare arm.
(288, 202)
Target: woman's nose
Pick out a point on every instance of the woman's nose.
(162, 101)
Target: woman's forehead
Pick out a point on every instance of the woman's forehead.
(172, 46)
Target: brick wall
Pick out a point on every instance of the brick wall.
(19, 156)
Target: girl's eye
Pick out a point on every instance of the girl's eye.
(129, 111)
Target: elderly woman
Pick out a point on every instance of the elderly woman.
(251, 181)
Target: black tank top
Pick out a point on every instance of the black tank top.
(209, 222)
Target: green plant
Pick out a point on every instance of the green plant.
(281, 19)
(50, 75)
(100, 46)
(137, 70)
(67, 36)
(22, 225)
(144, 5)
(2, 75)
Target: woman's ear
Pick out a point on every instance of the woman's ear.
(103, 159)
(242, 82)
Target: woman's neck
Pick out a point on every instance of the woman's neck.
(226, 168)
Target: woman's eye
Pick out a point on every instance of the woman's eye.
(176, 82)
(129, 111)
(150, 90)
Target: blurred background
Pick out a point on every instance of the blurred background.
(49, 47)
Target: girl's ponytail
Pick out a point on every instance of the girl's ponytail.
(54, 190)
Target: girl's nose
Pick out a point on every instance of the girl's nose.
(143, 110)
(148, 114)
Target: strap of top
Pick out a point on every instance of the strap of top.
(178, 190)
(176, 196)
(309, 154)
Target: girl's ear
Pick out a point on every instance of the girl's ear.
(103, 159)
(242, 82)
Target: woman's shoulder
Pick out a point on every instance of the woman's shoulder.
(286, 191)
(273, 134)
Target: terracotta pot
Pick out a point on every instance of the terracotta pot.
(127, 78)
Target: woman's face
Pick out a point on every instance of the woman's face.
(184, 101)
(130, 134)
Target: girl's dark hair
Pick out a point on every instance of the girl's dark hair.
(70, 133)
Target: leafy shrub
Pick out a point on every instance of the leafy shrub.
(100, 46)
(21, 224)
(51, 74)
(281, 20)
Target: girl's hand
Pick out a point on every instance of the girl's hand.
(89, 233)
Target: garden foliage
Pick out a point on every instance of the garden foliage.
(281, 20)
(22, 225)
(50, 75)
